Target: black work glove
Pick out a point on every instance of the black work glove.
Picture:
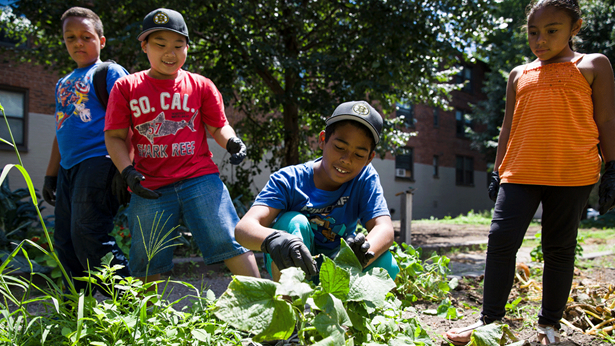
(287, 250)
(134, 179)
(119, 188)
(49, 189)
(494, 186)
(237, 149)
(606, 192)
(359, 246)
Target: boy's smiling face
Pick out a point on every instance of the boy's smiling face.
(166, 51)
(82, 41)
(344, 155)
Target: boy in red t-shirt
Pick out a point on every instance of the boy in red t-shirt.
(174, 178)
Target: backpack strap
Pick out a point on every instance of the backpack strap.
(100, 82)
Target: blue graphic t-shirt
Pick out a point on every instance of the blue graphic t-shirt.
(80, 118)
(332, 214)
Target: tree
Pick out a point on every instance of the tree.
(286, 64)
(507, 47)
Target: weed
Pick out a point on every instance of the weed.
(418, 279)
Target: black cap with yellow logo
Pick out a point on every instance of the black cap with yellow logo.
(163, 19)
(362, 112)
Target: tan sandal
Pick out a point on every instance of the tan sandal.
(469, 328)
(547, 335)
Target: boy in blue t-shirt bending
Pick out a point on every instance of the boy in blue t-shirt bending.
(306, 209)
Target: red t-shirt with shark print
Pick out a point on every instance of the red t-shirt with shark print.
(167, 118)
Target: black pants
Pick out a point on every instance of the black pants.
(514, 209)
(84, 212)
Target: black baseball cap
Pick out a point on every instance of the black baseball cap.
(163, 19)
(360, 111)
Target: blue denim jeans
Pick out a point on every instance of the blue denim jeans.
(297, 224)
(84, 212)
(204, 206)
(514, 209)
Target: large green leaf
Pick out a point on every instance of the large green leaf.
(291, 284)
(331, 318)
(346, 259)
(371, 286)
(493, 334)
(251, 304)
(334, 279)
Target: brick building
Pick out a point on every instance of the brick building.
(446, 175)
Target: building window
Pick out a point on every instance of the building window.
(15, 103)
(404, 164)
(407, 110)
(464, 170)
(465, 77)
(436, 166)
(464, 123)
(436, 117)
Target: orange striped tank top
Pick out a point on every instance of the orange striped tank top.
(553, 138)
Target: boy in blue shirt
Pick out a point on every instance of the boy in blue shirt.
(80, 172)
(306, 209)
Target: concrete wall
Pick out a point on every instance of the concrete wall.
(437, 197)
(41, 133)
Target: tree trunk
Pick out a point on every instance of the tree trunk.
(291, 134)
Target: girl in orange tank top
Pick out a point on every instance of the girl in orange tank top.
(558, 129)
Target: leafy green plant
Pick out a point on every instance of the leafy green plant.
(18, 215)
(419, 279)
(346, 307)
(445, 310)
(157, 242)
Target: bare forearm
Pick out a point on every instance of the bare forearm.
(116, 146)
(222, 134)
(250, 234)
(54, 159)
(381, 235)
(607, 140)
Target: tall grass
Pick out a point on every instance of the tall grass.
(44, 313)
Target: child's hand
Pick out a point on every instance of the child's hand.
(360, 245)
(607, 188)
(49, 189)
(287, 250)
(237, 149)
(134, 179)
(494, 186)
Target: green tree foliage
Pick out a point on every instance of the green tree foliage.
(286, 64)
(507, 47)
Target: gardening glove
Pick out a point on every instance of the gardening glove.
(237, 149)
(49, 189)
(606, 192)
(287, 250)
(134, 179)
(494, 186)
(119, 188)
(359, 246)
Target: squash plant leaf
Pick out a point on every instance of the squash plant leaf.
(330, 320)
(291, 284)
(251, 304)
(493, 334)
(346, 259)
(371, 287)
(334, 279)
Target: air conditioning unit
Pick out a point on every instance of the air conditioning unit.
(400, 172)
